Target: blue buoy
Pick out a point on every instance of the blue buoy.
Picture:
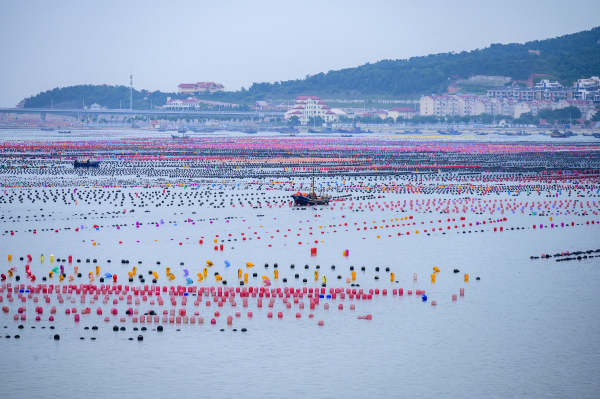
(424, 297)
(189, 281)
(227, 263)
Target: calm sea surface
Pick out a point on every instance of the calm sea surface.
(528, 328)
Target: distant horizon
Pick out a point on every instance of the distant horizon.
(245, 43)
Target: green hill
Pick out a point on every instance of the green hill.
(566, 58)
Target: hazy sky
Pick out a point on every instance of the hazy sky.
(47, 44)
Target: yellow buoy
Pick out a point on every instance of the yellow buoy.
(205, 271)
(209, 263)
(324, 280)
(51, 274)
(218, 277)
(466, 277)
(215, 240)
(391, 276)
(155, 275)
(52, 258)
(248, 264)
(168, 271)
(435, 269)
(265, 278)
(171, 276)
(276, 274)
(246, 277)
(9, 257)
(353, 275)
(42, 258)
(135, 270)
(200, 277)
(239, 273)
(97, 270)
(433, 277)
(316, 275)
(61, 277)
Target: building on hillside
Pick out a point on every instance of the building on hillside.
(306, 107)
(95, 107)
(587, 107)
(404, 112)
(200, 87)
(547, 84)
(187, 103)
(542, 93)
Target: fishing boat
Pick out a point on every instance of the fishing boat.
(86, 164)
(64, 131)
(47, 129)
(304, 199)
(556, 134)
(449, 132)
(250, 131)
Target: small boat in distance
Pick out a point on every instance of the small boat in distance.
(86, 164)
(47, 129)
(556, 134)
(64, 131)
(250, 131)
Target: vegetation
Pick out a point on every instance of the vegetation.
(567, 58)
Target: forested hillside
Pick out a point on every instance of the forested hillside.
(566, 58)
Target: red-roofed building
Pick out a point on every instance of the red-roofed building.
(200, 87)
(307, 107)
(404, 112)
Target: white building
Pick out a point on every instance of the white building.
(187, 103)
(306, 107)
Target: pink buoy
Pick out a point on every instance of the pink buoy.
(415, 276)
(409, 292)
(321, 323)
(352, 307)
(270, 314)
(280, 314)
(433, 303)
(340, 306)
(217, 314)
(229, 319)
(237, 314)
(249, 314)
(213, 321)
(462, 292)
(454, 297)
(107, 319)
(51, 318)
(298, 315)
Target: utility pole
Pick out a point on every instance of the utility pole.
(131, 91)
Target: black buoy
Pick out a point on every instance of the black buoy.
(116, 328)
(56, 337)
(159, 328)
(140, 337)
